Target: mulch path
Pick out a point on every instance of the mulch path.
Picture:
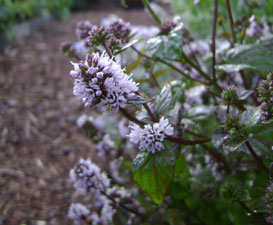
(39, 139)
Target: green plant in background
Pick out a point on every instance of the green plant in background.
(195, 129)
(16, 11)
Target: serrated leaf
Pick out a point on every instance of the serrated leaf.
(169, 95)
(137, 100)
(163, 100)
(250, 117)
(244, 94)
(263, 131)
(154, 172)
(258, 55)
(232, 68)
(218, 138)
(128, 45)
(167, 46)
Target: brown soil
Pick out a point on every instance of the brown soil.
(39, 139)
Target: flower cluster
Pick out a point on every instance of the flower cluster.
(105, 146)
(78, 213)
(167, 26)
(265, 90)
(120, 30)
(269, 203)
(83, 28)
(230, 93)
(100, 81)
(88, 177)
(256, 28)
(151, 137)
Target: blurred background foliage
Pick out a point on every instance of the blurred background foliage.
(17, 11)
(197, 14)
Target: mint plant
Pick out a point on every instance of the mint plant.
(187, 131)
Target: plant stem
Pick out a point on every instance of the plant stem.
(246, 208)
(130, 117)
(231, 21)
(149, 111)
(187, 142)
(108, 50)
(169, 64)
(196, 67)
(122, 205)
(213, 37)
(258, 160)
(195, 134)
(147, 5)
(228, 105)
(216, 155)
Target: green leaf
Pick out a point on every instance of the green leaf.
(263, 131)
(137, 100)
(181, 166)
(218, 138)
(244, 94)
(128, 45)
(232, 68)
(258, 56)
(133, 65)
(167, 46)
(250, 117)
(163, 100)
(154, 172)
(169, 95)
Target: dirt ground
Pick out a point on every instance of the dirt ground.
(39, 139)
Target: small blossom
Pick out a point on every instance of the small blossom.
(105, 145)
(88, 177)
(151, 137)
(78, 213)
(167, 26)
(265, 91)
(120, 30)
(100, 81)
(83, 28)
(256, 28)
(230, 93)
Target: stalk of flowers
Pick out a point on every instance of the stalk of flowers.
(88, 177)
(78, 213)
(100, 81)
(150, 137)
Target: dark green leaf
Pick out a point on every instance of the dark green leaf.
(167, 46)
(243, 95)
(232, 68)
(258, 56)
(250, 117)
(169, 95)
(128, 45)
(138, 100)
(154, 172)
(218, 138)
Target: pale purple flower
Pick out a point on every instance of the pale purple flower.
(150, 138)
(78, 212)
(257, 28)
(105, 146)
(100, 81)
(88, 177)
(83, 28)
(120, 30)
(83, 119)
